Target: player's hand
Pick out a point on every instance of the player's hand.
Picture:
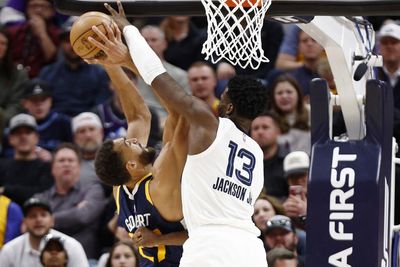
(111, 44)
(119, 17)
(144, 237)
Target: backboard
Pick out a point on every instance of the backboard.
(278, 7)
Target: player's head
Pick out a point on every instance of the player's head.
(244, 97)
(122, 160)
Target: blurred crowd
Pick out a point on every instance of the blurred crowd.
(56, 110)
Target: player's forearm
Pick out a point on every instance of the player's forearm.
(132, 102)
(173, 239)
(153, 72)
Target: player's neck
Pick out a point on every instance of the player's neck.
(137, 178)
(242, 123)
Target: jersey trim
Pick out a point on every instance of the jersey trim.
(135, 189)
(147, 191)
(117, 199)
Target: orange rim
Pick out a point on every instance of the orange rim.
(247, 3)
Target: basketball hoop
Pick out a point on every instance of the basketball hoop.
(234, 31)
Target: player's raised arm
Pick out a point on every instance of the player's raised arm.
(136, 112)
(153, 73)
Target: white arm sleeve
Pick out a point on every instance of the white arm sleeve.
(145, 59)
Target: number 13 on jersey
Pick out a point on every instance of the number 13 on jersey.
(245, 173)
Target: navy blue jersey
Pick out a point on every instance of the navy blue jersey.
(136, 210)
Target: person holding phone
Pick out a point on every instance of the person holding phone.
(296, 166)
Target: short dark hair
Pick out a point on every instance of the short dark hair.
(276, 118)
(248, 96)
(109, 165)
(70, 146)
(279, 254)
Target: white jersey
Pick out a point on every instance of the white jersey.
(221, 184)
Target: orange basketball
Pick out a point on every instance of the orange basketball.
(82, 29)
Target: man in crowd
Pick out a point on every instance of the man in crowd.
(77, 206)
(296, 166)
(202, 81)
(281, 257)
(25, 249)
(24, 174)
(265, 130)
(280, 233)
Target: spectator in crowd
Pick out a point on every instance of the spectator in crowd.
(296, 166)
(389, 42)
(114, 122)
(25, 249)
(10, 220)
(12, 79)
(53, 127)
(281, 257)
(202, 81)
(265, 208)
(77, 86)
(54, 254)
(185, 41)
(265, 130)
(155, 37)
(25, 174)
(34, 42)
(280, 233)
(77, 206)
(288, 57)
(13, 13)
(88, 137)
(287, 101)
(122, 253)
(312, 52)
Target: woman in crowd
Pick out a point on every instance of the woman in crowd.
(265, 208)
(124, 254)
(287, 101)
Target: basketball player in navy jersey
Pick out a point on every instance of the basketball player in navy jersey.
(223, 174)
(148, 197)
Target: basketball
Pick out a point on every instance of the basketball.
(82, 29)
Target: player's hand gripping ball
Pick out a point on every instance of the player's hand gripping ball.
(82, 29)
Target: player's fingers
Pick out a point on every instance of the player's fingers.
(117, 33)
(110, 9)
(91, 61)
(110, 32)
(97, 44)
(101, 35)
(120, 8)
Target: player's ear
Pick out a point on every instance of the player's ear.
(229, 109)
(130, 165)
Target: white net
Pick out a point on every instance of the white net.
(234, 31)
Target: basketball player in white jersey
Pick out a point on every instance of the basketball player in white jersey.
(223, 174)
